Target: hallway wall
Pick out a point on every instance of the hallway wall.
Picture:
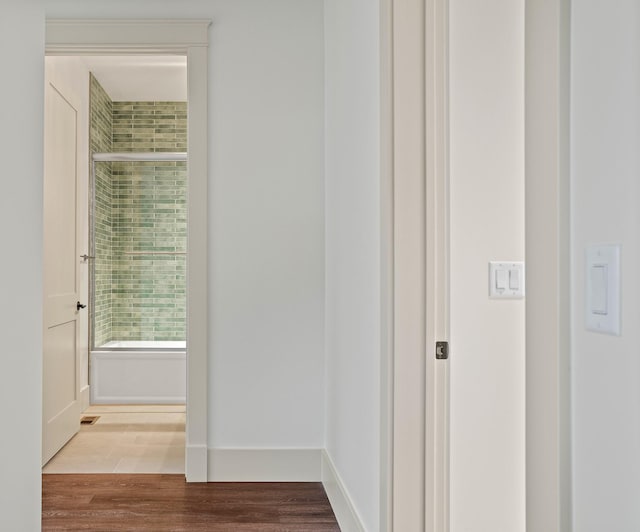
(353, 225)
(21, 45)
(605, 192)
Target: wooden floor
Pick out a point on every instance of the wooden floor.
(109, 503)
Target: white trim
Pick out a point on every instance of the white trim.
(92, 35)
(386, 267)
(85, 394)
(264, 465)
(419, 248)
(137, 400)
(197, 245)
(409, 256)
(338, 495)
(437, 265)
(190, 38)
(547, 256)
(195, 466)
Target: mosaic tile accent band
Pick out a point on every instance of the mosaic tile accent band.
(147, 219)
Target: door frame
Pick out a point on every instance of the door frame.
(547, 208)
(179, 37)
(414, 492)
(547, 256)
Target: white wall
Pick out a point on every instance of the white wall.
(605, 187)
(266, 213)
(353, 249)
(267, 205)
(21, 44)
(487, 223)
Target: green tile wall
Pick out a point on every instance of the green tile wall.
(150, 126)
(147, 299)
(149, 215)
(101, 141)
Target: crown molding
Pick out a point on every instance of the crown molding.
(88, 36)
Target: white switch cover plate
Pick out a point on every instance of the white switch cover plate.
(506, 280)
(602, 299)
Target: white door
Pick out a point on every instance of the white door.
(61, 404)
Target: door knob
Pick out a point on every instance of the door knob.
(80, 305)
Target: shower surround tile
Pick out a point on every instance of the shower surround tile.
(100, 139)
(150, 126)
(147, 214)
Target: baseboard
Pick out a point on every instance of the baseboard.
(196, 463)
(85, 398)
(264, 465)
(345, 513)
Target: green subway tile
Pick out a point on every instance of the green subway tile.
(140, 206)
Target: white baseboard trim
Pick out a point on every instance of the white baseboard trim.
(343, 508)
(264, 465)
(85, 398)
(195, 467)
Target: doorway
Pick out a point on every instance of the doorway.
(135, 368)
(190, 39)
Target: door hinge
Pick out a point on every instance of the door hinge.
(442, 350)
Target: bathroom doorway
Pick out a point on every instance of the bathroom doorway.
(189, 38)
(132, 337)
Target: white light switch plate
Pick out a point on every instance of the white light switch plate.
(602, 301)
(506, 280)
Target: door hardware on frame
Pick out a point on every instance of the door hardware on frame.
(442, 350)
(86, 257)
(80, 305)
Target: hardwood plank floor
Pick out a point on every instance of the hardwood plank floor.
(163, 503)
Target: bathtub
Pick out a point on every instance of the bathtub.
(138, 372)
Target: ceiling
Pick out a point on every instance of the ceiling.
(141, 78)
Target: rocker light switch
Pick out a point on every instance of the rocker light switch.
(514, 279)
(602, 302)
(599, 292)
(506, 280)
(501, 279)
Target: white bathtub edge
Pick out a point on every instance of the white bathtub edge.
(138, 377)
